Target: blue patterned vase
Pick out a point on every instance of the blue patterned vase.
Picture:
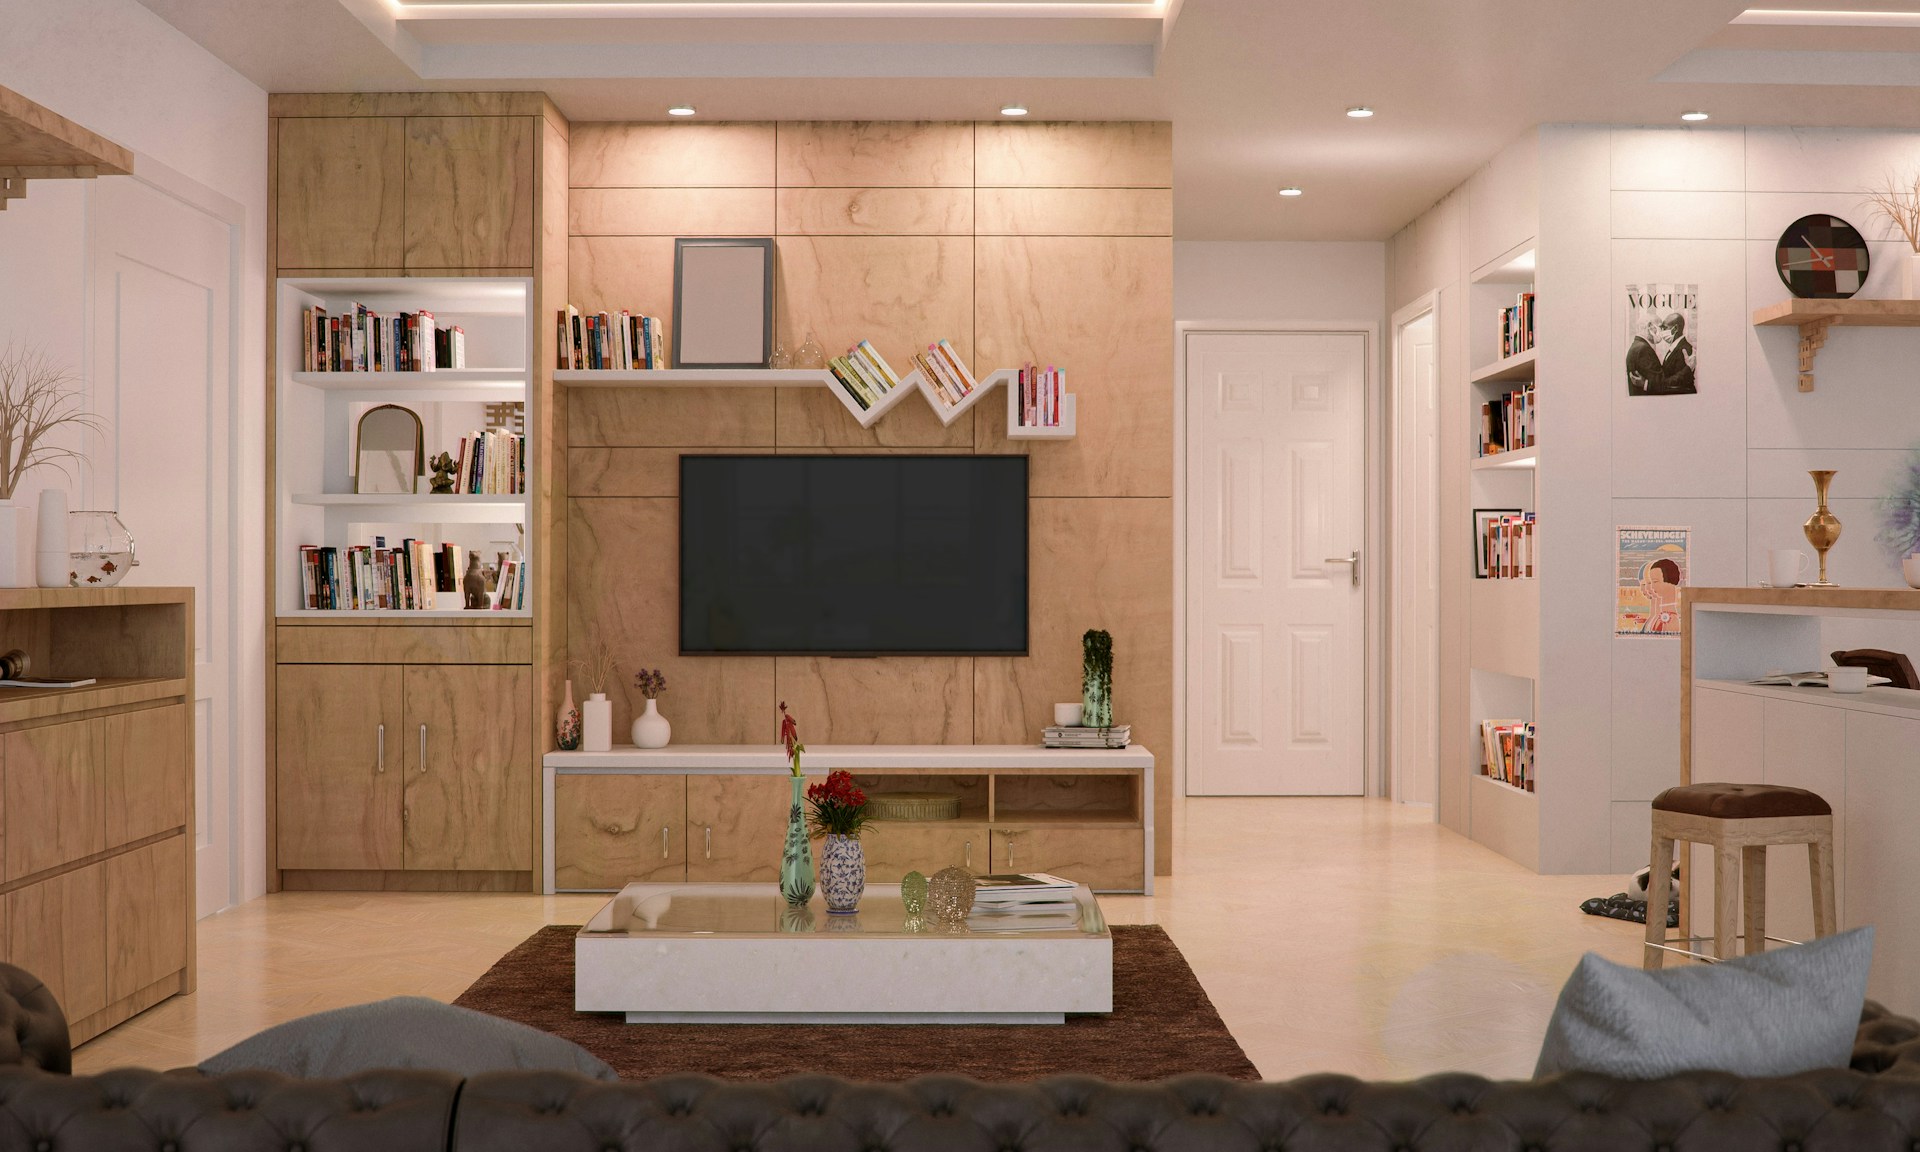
(796, 861)
(843, 874)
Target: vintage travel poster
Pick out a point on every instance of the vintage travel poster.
(1663, 321)
(1651, 566)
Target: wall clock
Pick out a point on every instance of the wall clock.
(1821, 257)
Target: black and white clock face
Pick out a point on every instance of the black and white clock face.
(1822, 257)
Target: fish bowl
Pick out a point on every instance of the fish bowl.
(99, 548)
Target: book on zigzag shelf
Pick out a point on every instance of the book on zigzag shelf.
(608, 341)
(362, 340)
(1039, 391)
(946, 371)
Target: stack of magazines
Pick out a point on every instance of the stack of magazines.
(1117, 736)
(1034, 902)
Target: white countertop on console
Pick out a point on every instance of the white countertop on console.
(749, 759)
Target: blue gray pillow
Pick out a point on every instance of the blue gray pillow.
(405, 1032)
(1774, 1014)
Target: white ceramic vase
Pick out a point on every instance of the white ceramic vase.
(596, 724)
(650, 729)
(10, 549)
(53, 563)
(1910, 568)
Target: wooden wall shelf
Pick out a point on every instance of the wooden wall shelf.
(1814, 317)
(37, 143)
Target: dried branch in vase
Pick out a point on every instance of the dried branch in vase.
(598, 667)
(1898, 199)
(37, 399)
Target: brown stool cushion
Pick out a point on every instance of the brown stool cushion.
(1741, 801)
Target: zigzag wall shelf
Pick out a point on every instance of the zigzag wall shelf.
(913, 381)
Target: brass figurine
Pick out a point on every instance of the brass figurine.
(1823, 527)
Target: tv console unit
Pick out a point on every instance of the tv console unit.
(718, 812)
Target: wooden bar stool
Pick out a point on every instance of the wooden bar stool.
(1739, 821)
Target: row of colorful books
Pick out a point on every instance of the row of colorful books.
(1506, 547)
(609, 341)
(1040, 392)
(416, 576)
(1506, 424)
(1516, 326)
(491, 464)
(1508, 747)
(362, 340)
(944, 369)
(864, 373)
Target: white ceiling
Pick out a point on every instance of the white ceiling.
(1256, 89)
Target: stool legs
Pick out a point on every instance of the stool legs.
(1726, 899)
(1659, 892)
(1820, 863)
(1753, 895)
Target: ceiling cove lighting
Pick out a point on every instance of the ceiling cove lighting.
(681, 110)
(1290, 191)
(1827, 18)
(1695, 117)
(1014, 110)
(1360, 112)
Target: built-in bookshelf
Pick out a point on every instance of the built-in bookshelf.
(317, 414)
(1504, 621)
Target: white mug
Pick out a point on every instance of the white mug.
(1784, 566)
(1067, 715)
(1847, 679)
(1910, 568)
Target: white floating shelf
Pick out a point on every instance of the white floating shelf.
(914, 381)
(507, 379)
(1528, 457)
(475, 614)
(420, 508)
(1518, 366)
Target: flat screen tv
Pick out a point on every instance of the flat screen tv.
(853, 555)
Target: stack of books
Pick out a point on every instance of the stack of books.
(415, 577)
(610, 341)
(864, 373)
(362, 340)
(1118, 736)
(1516, 326)
(1507, 547)
(1040, 392)
(1508, 747)
(1506, 424)
(946, 372)
(1034, 902)
(491, 464)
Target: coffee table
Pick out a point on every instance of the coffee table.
(739, 954)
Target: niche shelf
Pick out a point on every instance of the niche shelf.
(914, 381)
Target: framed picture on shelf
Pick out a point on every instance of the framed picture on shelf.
(1482, 544)
(722, 303)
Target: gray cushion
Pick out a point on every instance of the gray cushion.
(1781, 1012)
(405, 1032)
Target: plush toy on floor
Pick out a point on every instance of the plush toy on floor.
(1637, 883)
(1632, 904)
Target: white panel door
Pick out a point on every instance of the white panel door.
(162, 381)
(1414, 674)
(1276, 614)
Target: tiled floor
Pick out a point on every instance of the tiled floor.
(1334, 936)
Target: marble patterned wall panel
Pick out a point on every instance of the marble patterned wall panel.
(631, 471)
(623, 155)
(1134, 154)
(1098, 306)
(615, 272)
(875, 153)
(671, 212)
(885, 700)
(1074, 211)
(876, 211)
(723, 418)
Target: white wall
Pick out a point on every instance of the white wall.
(1279, 280)
(116, 68)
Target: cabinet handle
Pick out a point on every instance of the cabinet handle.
(663, 841)
(380, 756)
(423, 749)
(967, 860)
(709, 841)
(1009, 837)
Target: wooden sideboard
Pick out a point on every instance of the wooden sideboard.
(96, 871)
(718, 812)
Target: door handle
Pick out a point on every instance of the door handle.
(664, 830)
(380, 755)
(423, 749)
(1353, 560)
(709, 841)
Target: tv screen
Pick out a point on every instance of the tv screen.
(853, 555)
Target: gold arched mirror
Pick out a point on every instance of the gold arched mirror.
(390, 450)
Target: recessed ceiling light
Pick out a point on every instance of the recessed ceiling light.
(680, 110)
(1360, 112)
(1695, 116)
(1290, 191)
(1014, 110)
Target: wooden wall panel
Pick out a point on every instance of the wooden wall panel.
(614, 272)
(340, 187)
(671, 212)
(875, 153)
(1116, 154)
(885, 700)
(671, 156)
(702, 418)
(876, 211)
(1074, 211)
(470, 192)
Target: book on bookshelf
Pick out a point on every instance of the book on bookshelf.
(1506, 424)
(491, 463)
(608, 341)
(362, 340)
(1040, 391)
(1507, 547)
(416, 576)
(1507, 748)
(1516, 326)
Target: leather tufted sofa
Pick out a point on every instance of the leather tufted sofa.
(1874, 1107)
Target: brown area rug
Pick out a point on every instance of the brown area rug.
(1162, 1025)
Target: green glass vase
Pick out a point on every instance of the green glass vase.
(796, 862)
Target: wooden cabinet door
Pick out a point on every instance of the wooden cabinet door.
(146, 929)
(468, 749)
(1104, 859)
(894, 848)
(611, 831)
(736, 827)
(340, 192)
(56, 930)
(340, 756)
(55, 796)
(147, 772)
(470, 192)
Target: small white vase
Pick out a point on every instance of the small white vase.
(1910, 568)
(1909, 275)
(10, 548)
(53, 563)
(650, 729)
(596, 724)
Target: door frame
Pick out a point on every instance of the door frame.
(1426, 305)
(1372, 551)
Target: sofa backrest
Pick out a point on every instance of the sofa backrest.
(33, 1030)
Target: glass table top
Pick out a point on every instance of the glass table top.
(749, 910)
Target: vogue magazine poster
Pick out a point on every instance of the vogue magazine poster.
(1662, 322)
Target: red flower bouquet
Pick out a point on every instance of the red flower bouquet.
(839, 806)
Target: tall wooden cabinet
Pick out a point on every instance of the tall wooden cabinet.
(404, 744)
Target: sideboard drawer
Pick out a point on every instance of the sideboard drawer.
(1104, 859)
(611, 831)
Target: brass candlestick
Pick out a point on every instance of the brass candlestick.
(1823, 527)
